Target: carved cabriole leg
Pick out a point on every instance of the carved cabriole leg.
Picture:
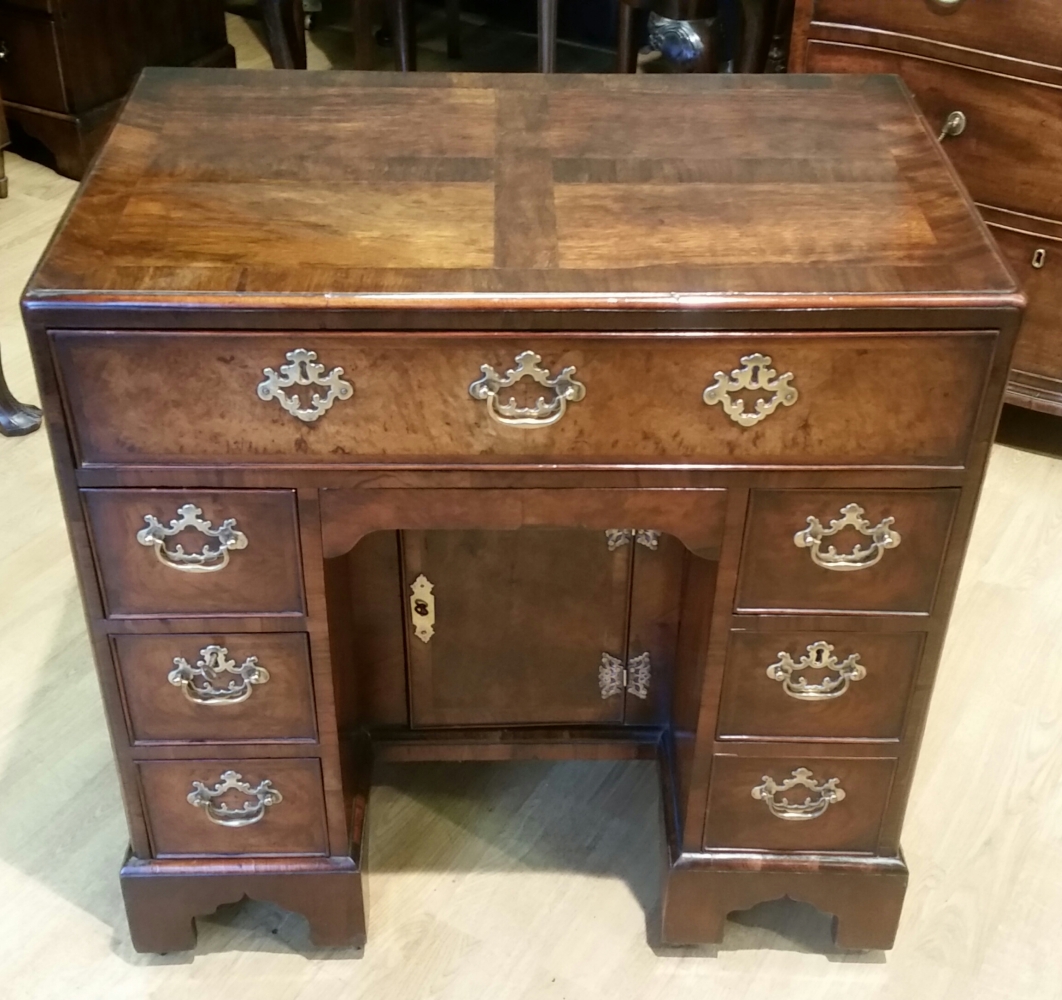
(162, 901)
(865, 895)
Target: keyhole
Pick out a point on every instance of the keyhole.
(420, 608)
(1039, 258)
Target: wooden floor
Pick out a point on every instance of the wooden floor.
(490, 882)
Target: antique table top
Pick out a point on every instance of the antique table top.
(521, 191)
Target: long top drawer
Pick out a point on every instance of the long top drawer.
(845, 399)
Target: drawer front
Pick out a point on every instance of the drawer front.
(1024, 29)
(231, 807)
(193, 398)
(818, 685)
(797, 803)
(1010, 153)
(1037, 262)
(168, 552)
(844, 550)
(29, 72)
(216, 688)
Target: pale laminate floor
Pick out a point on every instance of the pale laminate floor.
(530, 880)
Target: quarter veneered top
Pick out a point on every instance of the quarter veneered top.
(461, 191)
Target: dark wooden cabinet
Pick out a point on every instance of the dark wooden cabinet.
(531, 424)
(998, 64)
(65, 65)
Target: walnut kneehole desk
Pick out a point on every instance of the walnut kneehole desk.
(508, 416)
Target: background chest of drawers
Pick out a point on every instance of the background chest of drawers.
(997, 65)
(498, 436)
(65, 65)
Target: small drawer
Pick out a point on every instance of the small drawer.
(818, 685)
(798, 803)
(784, 399)
(1037, 261)
(29, 72)
(194, 552)
(1010, 151)
(231, 807)
(1025, 29)
(844, 550)
(216, 688)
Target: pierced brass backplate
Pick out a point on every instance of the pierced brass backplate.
(422, 608)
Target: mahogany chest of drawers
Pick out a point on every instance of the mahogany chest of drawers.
(501, 417)
(988, 76)
(66, 65)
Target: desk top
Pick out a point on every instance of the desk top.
(363, 190)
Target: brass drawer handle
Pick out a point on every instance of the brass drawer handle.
(819, 656)
(882, 536)
(209, 560)
(566, 389)
(954, 125)
(202, 684)
(755, 375)
(253, 810)
(616, 538)
(303, 368)
(614, 676)
(827, 792)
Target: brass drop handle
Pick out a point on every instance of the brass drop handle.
(882, 536)
(1039, 258)
(209, 560)
(257, 800)
(836, 676)
(565, 387)
(216, 679)
(954, 124)
(825, 793)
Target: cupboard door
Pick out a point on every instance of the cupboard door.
(521, 620)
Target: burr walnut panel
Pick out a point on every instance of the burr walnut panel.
(294, 825)
(262, 577)
(192, 398)
(736, 819)
(778, 574)
(759, 704)
(274, 702)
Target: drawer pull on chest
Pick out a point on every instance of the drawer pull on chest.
(202, 684)
(818, 656)
(303, 368)
(826, 793)
(565, 388)
(253, 809)
(882, 537)
(754, 375)
(208, 560)
(954, 125)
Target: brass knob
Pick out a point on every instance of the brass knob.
(954, 124)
